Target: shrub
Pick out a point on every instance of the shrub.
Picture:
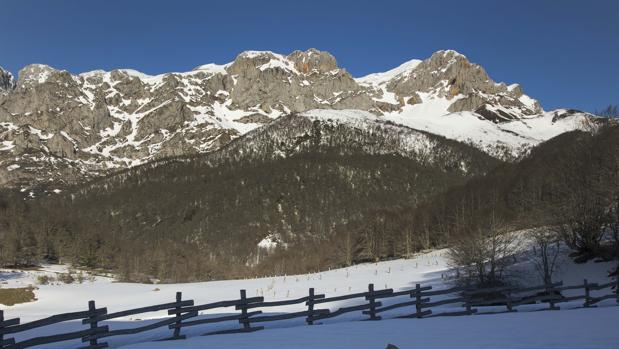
(66, 278)
(44, 279)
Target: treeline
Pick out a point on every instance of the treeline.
(569, 184)
(611, 111)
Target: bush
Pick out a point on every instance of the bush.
(44, 279)
(66, 278)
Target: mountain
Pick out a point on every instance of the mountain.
(58, 129)
(296, 182)
(306, 192)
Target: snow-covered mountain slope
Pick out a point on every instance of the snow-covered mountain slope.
(506, 140)
(381, 79)
(58, 128)
(356, 131)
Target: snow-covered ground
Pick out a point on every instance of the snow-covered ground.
(582, 329)
(568, 328)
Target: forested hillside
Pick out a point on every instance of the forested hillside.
(298, 182)
(570, 182)
(304, 194)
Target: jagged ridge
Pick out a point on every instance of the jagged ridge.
(60, 128)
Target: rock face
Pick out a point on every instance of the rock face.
(6, 81)
(63, 128)
(449, 75)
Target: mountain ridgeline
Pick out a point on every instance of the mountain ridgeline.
(278, 164)
(59, 129)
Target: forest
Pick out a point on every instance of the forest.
(329, 195)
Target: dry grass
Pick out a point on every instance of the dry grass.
(12, 296)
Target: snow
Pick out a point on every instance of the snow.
(276, 60)
(148, 79)
(221, 115)
(380, 80)
(9, 126)
(6, 145)
(40, 134)
(577, 329)
(12, 167)
(348, 116)
(451, 52)
(36, 73)
(269, 243)
(212, 68)
(276, 63)
(571, 327)
(528, 101)
(543, 128)
(515, 136)
(253, 54)
(384, 77)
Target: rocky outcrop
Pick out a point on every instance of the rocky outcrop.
(99, 121)
(6, 81)
(449, 75)
(302, 81)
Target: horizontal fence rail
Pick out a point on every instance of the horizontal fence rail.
(182, 312)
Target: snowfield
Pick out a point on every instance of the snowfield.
(582, 329)
(571, 327)
(511, 139)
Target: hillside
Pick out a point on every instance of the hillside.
(297, 182)
(353, 189)
(570, 179)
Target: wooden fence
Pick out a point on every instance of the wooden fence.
(419, 299)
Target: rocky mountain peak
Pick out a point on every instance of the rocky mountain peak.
(34, 74)
(313, 60)
(449, 75)
(252, 61)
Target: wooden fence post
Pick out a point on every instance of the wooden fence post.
(4, 324)
(550, 293)
(469, 300)
(310, 307)
(1, 327)
(93, 326)
(587, 294)
(244, 319)
(372, 311)
(177, 329)
(508, 302)
(418, 300)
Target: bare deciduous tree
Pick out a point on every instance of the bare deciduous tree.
(583, 218)
(349, 246)
(546, 253)
(485, 252)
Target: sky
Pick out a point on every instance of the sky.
(565, 53)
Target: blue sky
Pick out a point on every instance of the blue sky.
(563, 52)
